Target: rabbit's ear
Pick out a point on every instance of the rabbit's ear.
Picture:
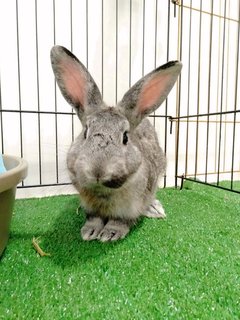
(75, 82)
(149, 92)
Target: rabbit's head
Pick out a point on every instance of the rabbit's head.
(107, 151)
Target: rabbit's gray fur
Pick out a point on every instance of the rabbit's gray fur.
(116, 179)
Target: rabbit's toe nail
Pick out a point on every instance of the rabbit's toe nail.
(110, 235)
(106, 235)
(155, 210)
(113, 231)
(89, 233)
(91, 229)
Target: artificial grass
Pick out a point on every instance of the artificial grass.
(185, 267)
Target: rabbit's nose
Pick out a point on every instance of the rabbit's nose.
(115, 182)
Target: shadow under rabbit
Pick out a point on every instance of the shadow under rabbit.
(66, 246)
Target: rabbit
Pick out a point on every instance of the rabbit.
(116, 161)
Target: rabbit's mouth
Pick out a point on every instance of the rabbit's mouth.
(115, 183)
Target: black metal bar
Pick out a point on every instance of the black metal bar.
(54, 23)
(166, 103)
(130, 44)
(55, 95)
(44, 185)
(143, 38)
(35, 112)
(56, 146)
(38, 96)
(87, 33)
(155, 48)
(209, 184)
(171, 124)
(116, 69)
(182, 180)
(179, 98)
(71, 39)
(61, 113)
(102, 48)
(158, 116)
(174, 119)
(19, 79)
(209, 87)
(19, 84)
(71, 25)
(175, 9)
(189, 88)
(235, 98)
(204, 115)
(198, 86)
(222, 87)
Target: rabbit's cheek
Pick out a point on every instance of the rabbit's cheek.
(81, 171)
(71, 168)
(133, 160)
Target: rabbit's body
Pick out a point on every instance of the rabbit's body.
(116, 161)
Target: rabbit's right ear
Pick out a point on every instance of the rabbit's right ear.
(149, 92)
(75, 82)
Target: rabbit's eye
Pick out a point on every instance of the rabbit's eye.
(85, 133)
(125, 138)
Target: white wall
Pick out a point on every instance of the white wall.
(142, 43)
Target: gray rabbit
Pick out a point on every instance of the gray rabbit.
(116, 160)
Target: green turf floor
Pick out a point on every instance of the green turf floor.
(185, 267)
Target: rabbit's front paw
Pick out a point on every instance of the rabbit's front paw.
(92, 228)
(155, 210)
(114, 230)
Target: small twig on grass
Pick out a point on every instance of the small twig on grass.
(35, 242)
(78, 210)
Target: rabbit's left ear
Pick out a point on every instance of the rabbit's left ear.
(149, 92)
(75, 82)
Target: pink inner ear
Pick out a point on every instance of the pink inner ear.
(153, 92)
(74, 81)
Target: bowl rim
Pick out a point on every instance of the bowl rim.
(11, 178)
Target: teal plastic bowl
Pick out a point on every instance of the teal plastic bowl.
(16, 171)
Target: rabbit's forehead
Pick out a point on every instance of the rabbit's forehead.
(108, 119)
